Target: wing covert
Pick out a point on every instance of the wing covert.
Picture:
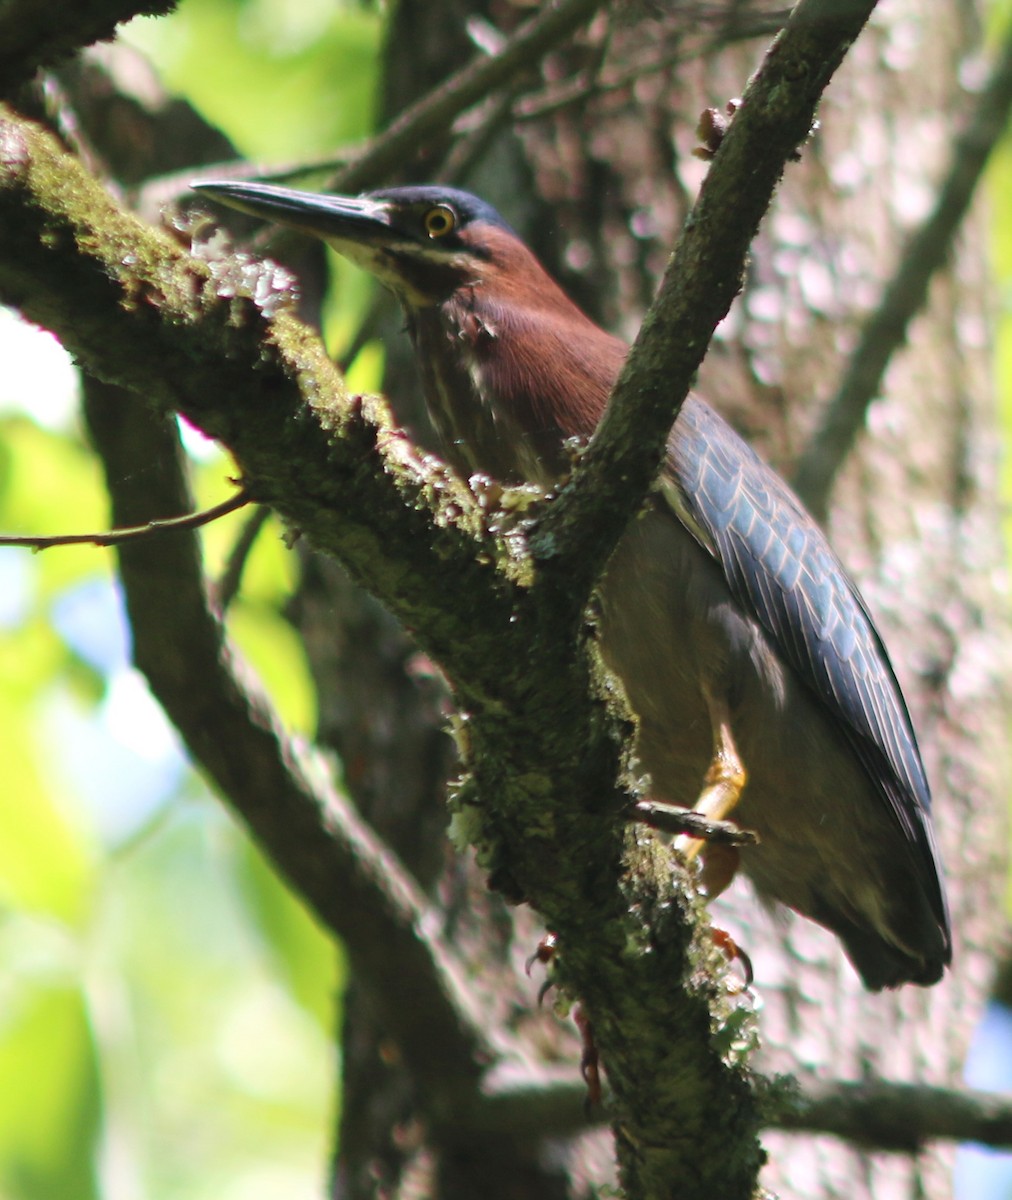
(781, 569)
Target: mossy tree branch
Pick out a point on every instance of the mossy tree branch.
(543, 739)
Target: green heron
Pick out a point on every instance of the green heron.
(739, 638)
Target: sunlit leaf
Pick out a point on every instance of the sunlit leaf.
(288, 80)
(49, 1105)
(310, 959)
(46, 864)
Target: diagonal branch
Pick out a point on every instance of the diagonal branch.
(76, 264)
(702, 279)
(283, 791)
(925, 253)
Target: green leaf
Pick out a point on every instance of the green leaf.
(278, 656)
(290, 79)
(309, 957)
(46, 865)
(50, 1106)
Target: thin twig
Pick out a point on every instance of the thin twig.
(578, 89)
(670, 819)
(134, 533)
(885, 330)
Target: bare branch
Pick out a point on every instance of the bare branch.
(118, 537)
(282, 790)
(895, 1116)
(674, 820)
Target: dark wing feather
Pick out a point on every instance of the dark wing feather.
(781, 569)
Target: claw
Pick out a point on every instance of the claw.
(733, 952)
(590, 1065)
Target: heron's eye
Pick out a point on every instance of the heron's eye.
(439, 221)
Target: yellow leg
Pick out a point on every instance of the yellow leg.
(724, 783)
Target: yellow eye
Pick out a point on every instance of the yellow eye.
(439, 221)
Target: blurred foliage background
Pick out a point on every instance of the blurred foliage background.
(144, 944)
